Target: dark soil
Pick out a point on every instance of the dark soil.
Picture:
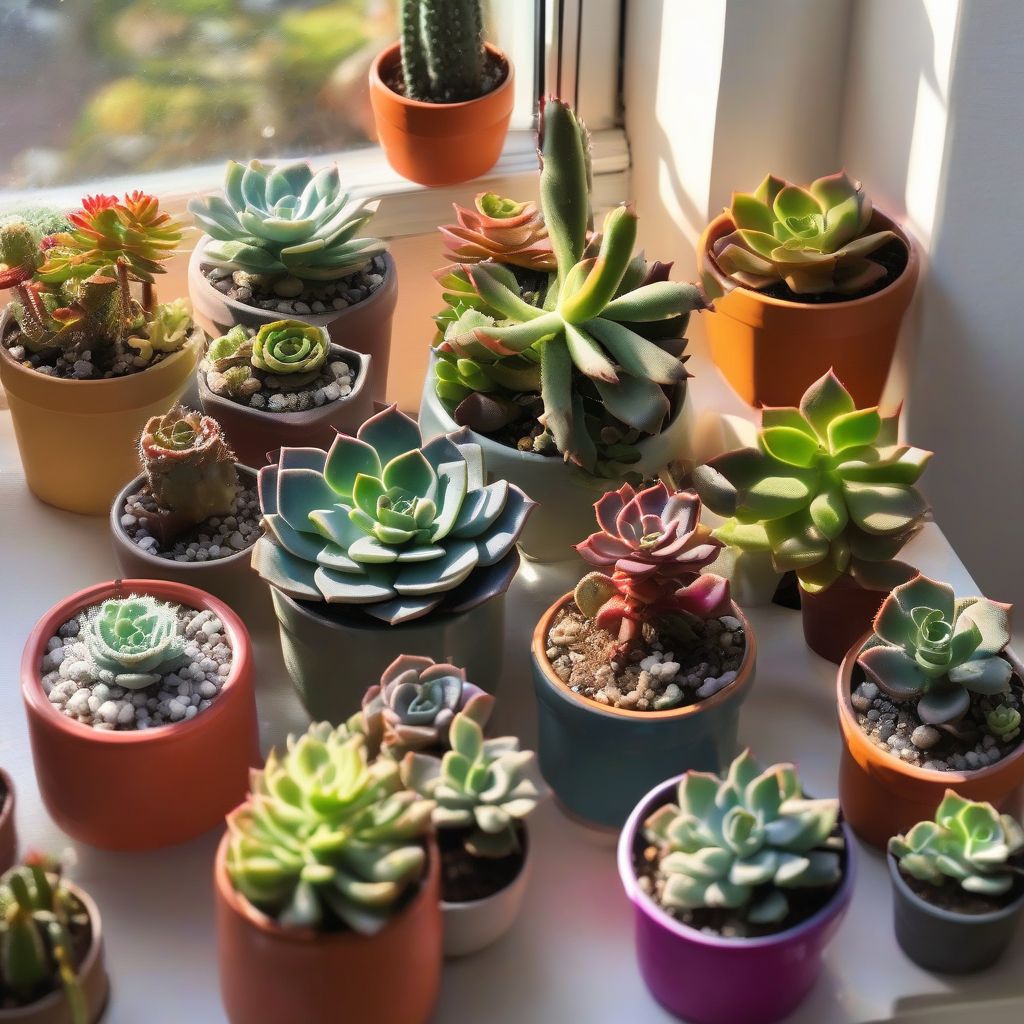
(495, 72)
(465, 878)
(952, 897)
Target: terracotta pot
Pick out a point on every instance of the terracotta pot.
(440, 143)
(92, 977)
(273, 975)
(8, 832)
(770, 350)
(565, 495)
(100, 420)
(174, 782)
(576, 735)
(835, 617)
(364, 327)
(883, 796)
(254, 433)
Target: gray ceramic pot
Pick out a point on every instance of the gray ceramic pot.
(365, 327)
(253, 433)
(565, 495)
(333, 655)
(940, 940)
(600, 761)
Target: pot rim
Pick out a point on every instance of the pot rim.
(180, 593)
(519, 880)
(744, 675)
(848, 726)
(921, 904)
(641, 901)
(909, 274)
(120, 534)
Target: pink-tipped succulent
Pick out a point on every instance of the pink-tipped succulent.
(499, 229)
(655, 544)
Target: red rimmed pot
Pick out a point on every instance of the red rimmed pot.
(882, 796)
(174, 782)
(440, 143)
(770, 349)
(8, 831)
(274, 975)
(688, 971)
(834, 617)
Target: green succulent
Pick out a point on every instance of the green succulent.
(167, 331)
(930, 647)
(288, 347)
(1003, 723)
(741, 842)
(485, 787)
(970, 843)
(20, 254)
(828, 490)
(328, 837)
(814, 239)
(443, 56)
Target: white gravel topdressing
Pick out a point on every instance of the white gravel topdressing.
(82, 691)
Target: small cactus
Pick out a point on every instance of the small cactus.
(443, 55)
(19, 252)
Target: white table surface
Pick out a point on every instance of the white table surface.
(570, 957)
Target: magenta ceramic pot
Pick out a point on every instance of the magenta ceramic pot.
(694, 975)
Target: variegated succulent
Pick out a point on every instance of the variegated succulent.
(387, 524)
(828, 490)
(936, 650)
(499, 229)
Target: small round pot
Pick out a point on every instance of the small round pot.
(92, 978)
(474, 925)
(565, 495)
(364, 327)
(440, 143)
(834, 618)
(883, 796)
(274, 975)
(941, 940)
(254, 433)
(174, 782)
(693, 975)
(8, 832)
(332, 658)
(231, 579)
(576, 735)
(770, 350)
(104, 416)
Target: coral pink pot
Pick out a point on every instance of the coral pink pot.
(162, 785)
(835, 617)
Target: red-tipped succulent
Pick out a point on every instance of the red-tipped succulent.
(500, 229)
(656, 546)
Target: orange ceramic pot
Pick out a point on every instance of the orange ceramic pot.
(882, 796)
(274, 975)
(173, 782)
(836, 616)
(8, 834)
(440, 143)
(770, 350)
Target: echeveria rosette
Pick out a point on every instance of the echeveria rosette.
(814, 239)
(828, 491)
(970, 843)
(286, 221)
(136, 638)
(931, 647)
(389, 524)
(499, 229)
(328, 834)
(416, 702)
(290, 347)
(743, 841)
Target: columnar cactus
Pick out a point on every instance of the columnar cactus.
(970, 843)
(930, 647)
(502, 230)
(741, 842)
(443, 54)
(328, 837)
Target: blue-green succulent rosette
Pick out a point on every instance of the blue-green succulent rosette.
(393, 527)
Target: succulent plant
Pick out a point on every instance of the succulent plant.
(828, 490)
(290, 347)
(443, 56)
(167, 331)
(38, 915)
(416, 702)
(655, 544)
(1003, 723)
(930, 647)
(502, 230)
(328, 837)
(970, 843)
(813, 238)
(135, 638)
(20, 254)
(741, 842)
(285, 221)
(483, 786)
(389, 524)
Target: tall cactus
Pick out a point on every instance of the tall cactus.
(442, 50)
